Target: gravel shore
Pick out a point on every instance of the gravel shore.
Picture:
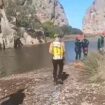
(37, 88)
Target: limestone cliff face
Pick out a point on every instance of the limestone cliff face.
(28, 15)
(50, 10)
(44, 10)
(94, 21)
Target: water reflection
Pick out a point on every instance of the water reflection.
(24, 59)
(70, 53)
(33, 58)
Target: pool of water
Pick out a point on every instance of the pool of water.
(33, 58)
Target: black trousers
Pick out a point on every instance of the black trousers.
(57, 73)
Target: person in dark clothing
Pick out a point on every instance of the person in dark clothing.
(3, 45)
(85, 44)
(100, 43)
(78, 49)
(57, 74)
(17, 43)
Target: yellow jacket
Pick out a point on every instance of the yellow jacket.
(57, 49)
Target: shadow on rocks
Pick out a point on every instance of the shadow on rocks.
(65, 76)
(15, 98)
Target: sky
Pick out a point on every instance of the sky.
(75, 11)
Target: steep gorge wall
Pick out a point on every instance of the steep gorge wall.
(44, 10)
(50, 10)
(29, 14)
(94, 21)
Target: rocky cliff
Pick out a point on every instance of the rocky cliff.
(50, 10)
(43, 10)
(29, 15)
(94, 21)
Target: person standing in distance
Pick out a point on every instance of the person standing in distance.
(57, 50)
(100, 43)
(85, 45)
(78, 48)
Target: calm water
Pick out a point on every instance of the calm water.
(70, 54)
(32, 58)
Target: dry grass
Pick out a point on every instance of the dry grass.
(95, 66)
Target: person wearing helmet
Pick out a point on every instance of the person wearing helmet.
(57, 50)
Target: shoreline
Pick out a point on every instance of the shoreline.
(38, 89)
(49, 40)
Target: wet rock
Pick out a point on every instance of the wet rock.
(28, 40)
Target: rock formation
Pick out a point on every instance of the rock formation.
(6, 31)
(28, 14)
(50, 10)
(44, 10)
(94, 21)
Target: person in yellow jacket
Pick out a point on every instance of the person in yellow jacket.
(57, 50)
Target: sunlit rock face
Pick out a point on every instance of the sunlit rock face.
(45, 10)
(29, 14)
(94, 21)
(50, 10)
(7, 33)
(28, 40)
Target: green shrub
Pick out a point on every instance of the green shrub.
(66, 29)
(24, 14)
(51, 29)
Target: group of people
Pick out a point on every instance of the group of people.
(81, 45)
(57, 50)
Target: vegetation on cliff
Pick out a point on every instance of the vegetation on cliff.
(50, 29)
(24, 14)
